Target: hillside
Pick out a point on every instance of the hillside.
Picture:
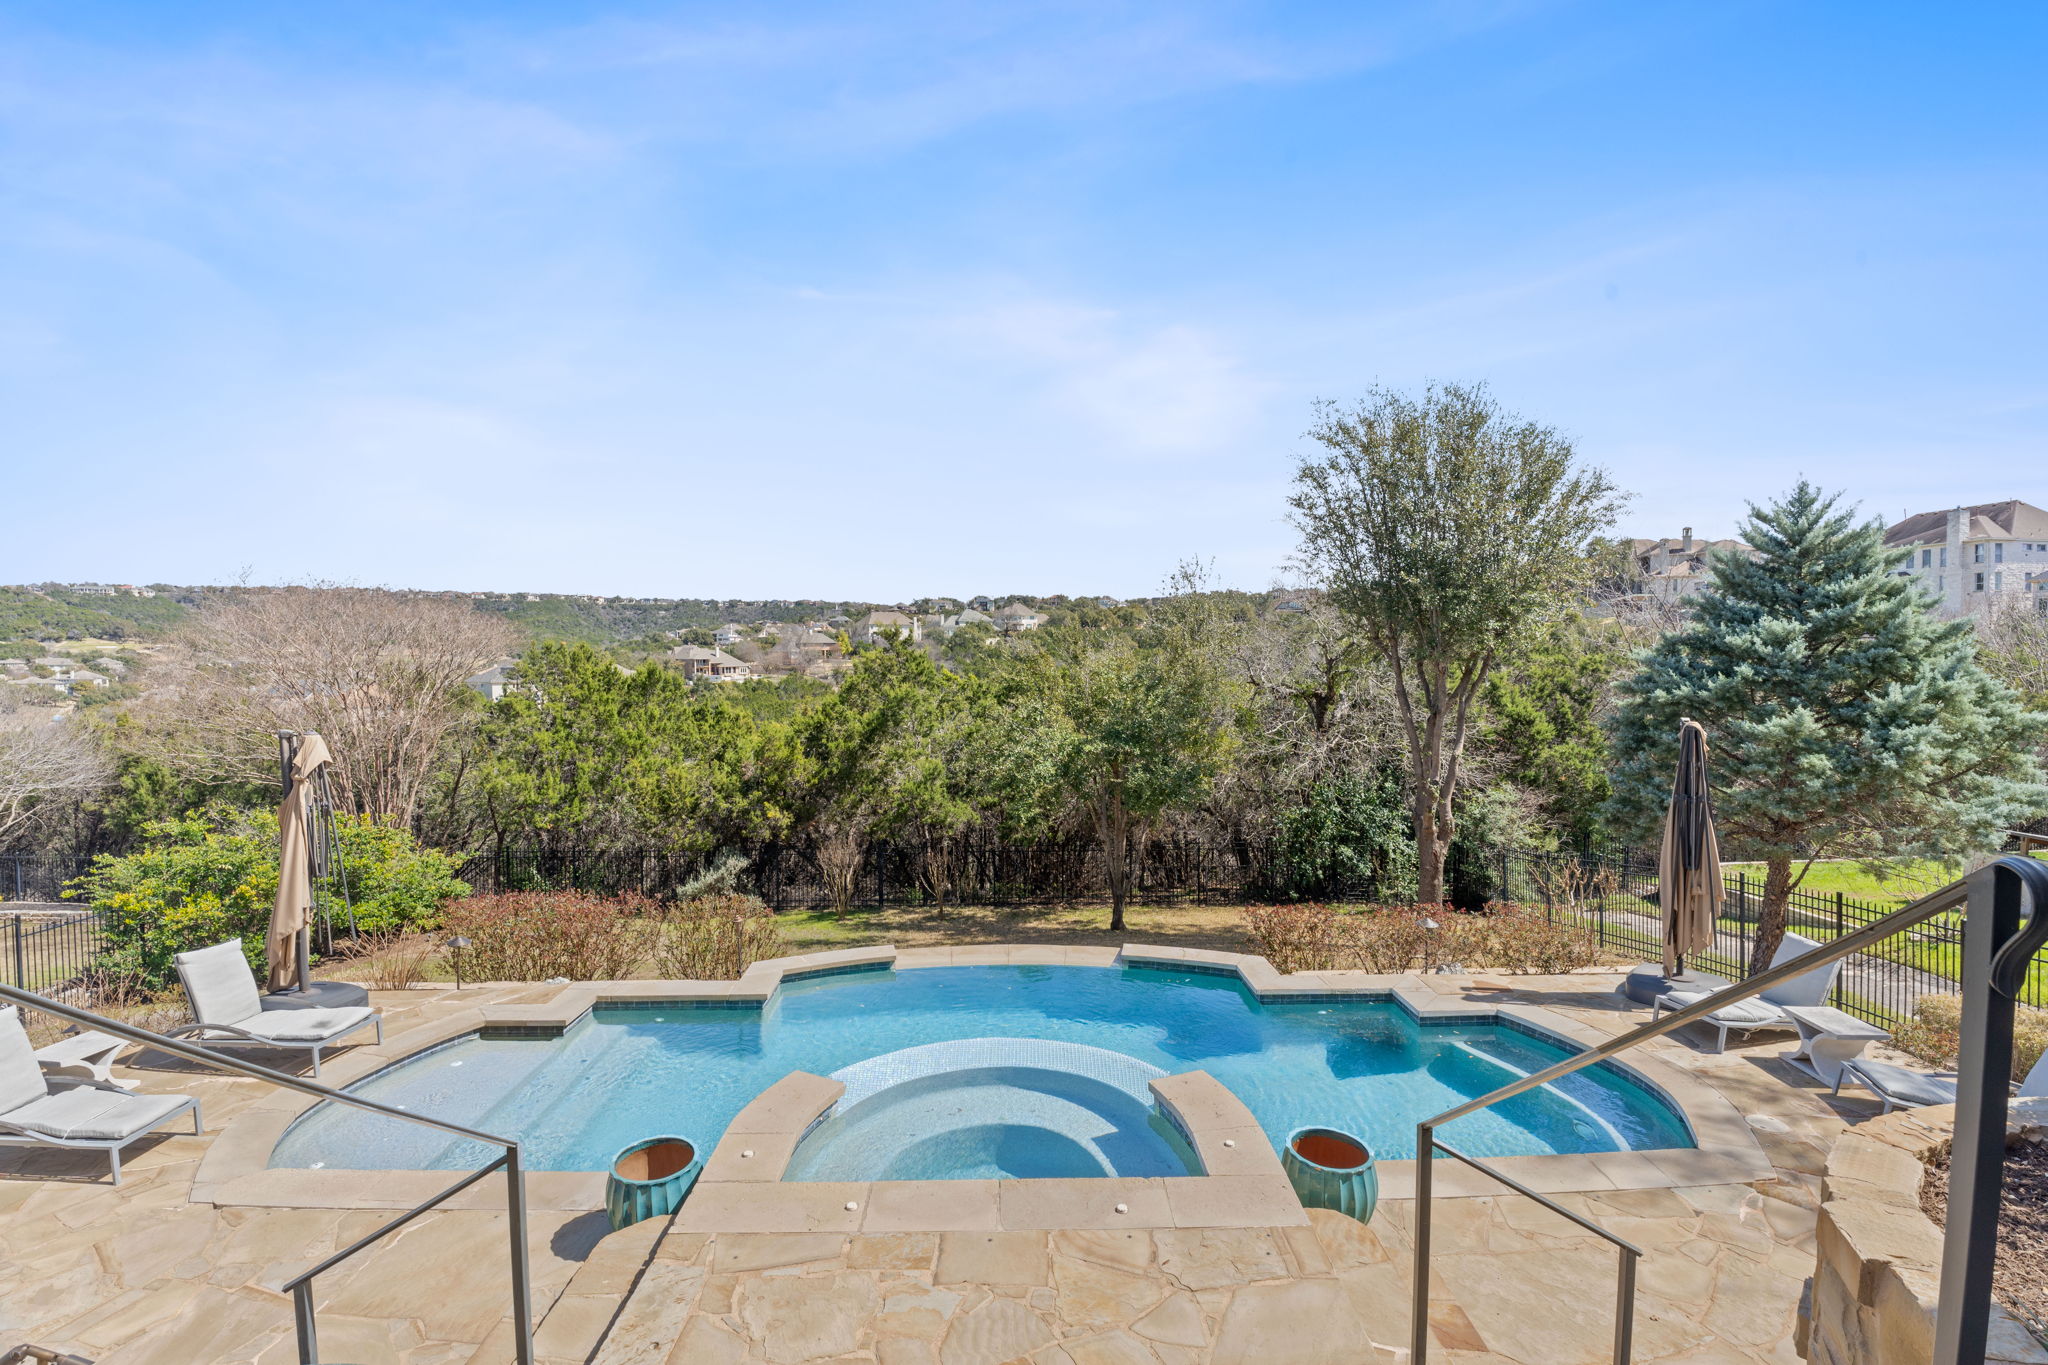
(593, 622)
(53, 613)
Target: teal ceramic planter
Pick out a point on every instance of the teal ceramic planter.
(650, 1179)
(1332, 1170)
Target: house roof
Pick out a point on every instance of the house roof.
(1983, 521)
(1016, 611)
(697, 654)
(885, 618)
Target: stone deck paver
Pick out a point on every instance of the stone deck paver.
(142, 1274)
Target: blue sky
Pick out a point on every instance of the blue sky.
(874, 301)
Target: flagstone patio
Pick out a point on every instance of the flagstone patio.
(144, 1274)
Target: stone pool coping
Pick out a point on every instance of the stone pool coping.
(742, 1190)
(234, 1169)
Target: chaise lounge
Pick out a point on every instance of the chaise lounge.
(227, 1008)
(1901, 1087)
(37, 1110)
(1768, 1009)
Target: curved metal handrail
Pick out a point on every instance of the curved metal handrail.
(302, 1288)
(1926, 907)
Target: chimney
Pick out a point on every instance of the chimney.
(1685, 539)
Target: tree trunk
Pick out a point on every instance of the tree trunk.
(1116, 845)
(1771, 918)
(1432, 814)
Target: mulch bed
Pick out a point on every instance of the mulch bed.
(2020, 1281)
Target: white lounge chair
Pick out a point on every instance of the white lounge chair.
(1766, 1010)
(41, 1111)
(1901, 1087)
(227, 1008)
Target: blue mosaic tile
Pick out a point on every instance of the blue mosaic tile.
(847, 969)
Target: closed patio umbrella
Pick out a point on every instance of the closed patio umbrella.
(294, 907)
(1689, 862)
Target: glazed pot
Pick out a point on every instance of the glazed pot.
(1332, 1170)
(650, 1179)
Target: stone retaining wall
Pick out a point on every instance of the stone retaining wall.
(1877, 1272)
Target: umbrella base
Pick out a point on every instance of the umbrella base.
(1646, 983)
(321, 995)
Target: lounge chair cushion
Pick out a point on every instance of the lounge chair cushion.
(305, 1026)
(1808, 988)
(1741, 1014)
(86, 1112)
(21, 1079)
(1902, 1085)
(219, 984)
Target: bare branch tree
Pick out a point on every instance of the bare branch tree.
(379, 674)
(42, 765)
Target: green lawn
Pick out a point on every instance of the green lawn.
(1889, 892)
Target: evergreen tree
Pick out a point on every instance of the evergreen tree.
(1845, 718)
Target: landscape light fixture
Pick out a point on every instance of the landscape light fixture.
(455, 947)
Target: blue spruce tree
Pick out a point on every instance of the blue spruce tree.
(1845, 719)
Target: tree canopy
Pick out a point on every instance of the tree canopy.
(1844, 718)
(1445, 528)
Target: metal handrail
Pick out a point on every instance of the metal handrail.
(1914, 912)
(515, 1187)
(1625, 1286)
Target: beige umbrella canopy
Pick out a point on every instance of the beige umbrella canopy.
(295, 864)
(1689, 862)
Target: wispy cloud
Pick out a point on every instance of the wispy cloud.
(1151, 390)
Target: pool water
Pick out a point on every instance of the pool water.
(627, 1073)
(993, 1123)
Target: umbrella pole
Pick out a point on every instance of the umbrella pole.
(302, 962)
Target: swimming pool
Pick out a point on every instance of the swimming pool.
(628, 1072)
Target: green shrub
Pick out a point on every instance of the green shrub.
(1347, 838)
(536, 935)
(715, 938)
(204, 878)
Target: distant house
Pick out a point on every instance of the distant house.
(971, 617)
(877, 625)
(85, 677)
(494, 682)
(709, 665)
(1017, 616)
(1108, 602)
(1972, 558)
(1673, 569)
(730, 634)
(111, 666)
(982, 603)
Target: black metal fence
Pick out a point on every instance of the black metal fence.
(49, 951)
(974, 870)
(1615, 895)
(34, 877)
(45, 944)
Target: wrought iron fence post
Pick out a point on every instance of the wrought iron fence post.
(1836, 999)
